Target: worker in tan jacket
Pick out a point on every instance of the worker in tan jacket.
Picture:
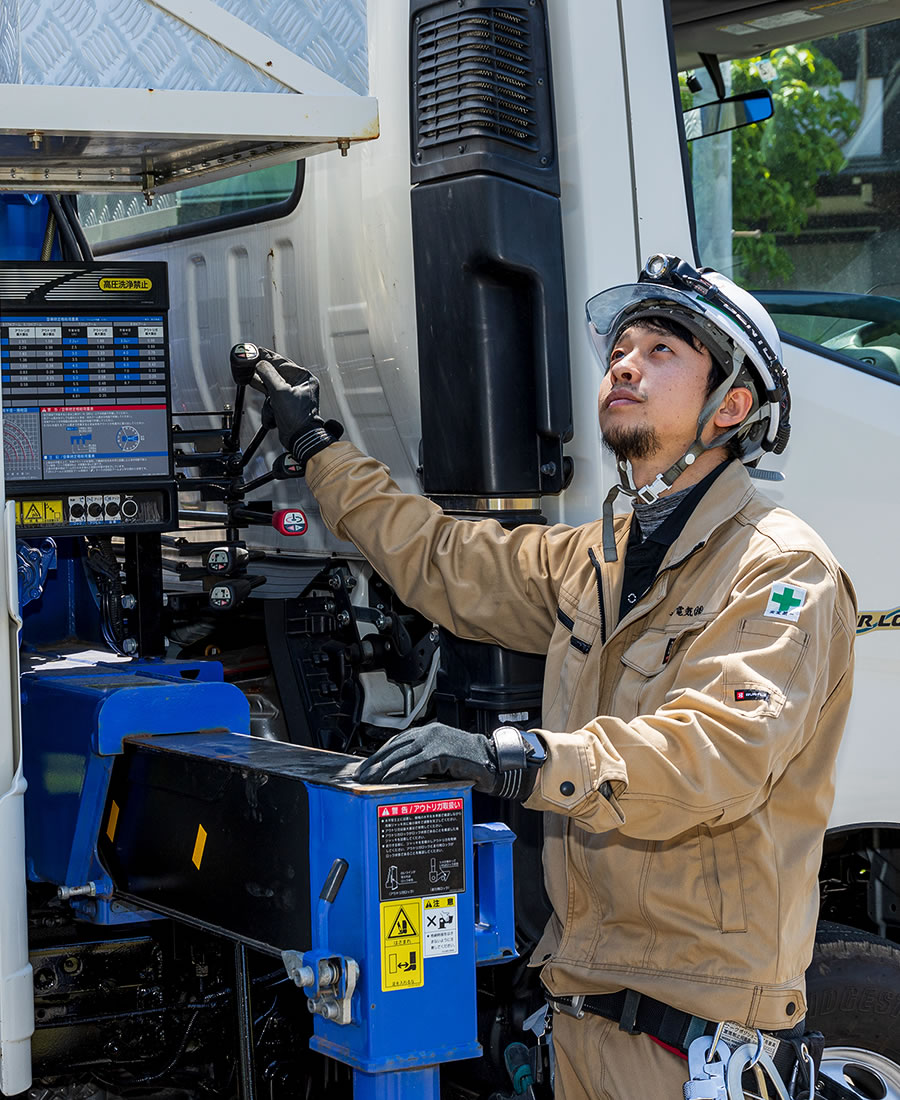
(699, 663)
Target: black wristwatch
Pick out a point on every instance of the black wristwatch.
(519, 755)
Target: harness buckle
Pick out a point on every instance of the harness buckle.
(651, 493)
(574, 1007)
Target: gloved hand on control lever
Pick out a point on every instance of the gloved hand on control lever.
(504, 764)
(293, 394)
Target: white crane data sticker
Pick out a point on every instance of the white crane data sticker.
(441, 926)
(785, 601)
(401, 945)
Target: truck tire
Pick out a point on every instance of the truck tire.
(853, 989)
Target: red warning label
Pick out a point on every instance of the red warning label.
(420, 848)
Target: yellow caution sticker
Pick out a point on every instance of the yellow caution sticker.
(401, 944)
(125, 284)
(199, 845)
(113, 820)
(441, 926)
(37, 513)
(446, 902)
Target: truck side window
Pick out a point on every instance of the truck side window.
(113, 222)
(804, 208)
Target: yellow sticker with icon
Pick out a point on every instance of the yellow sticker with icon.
(401, 944)
(37, 513)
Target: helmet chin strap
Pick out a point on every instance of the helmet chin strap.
(663, 482)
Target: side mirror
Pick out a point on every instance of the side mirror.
(728, 114)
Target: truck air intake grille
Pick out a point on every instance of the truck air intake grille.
(480, 92)
(476, 78)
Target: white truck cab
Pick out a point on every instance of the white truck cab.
(529, 153)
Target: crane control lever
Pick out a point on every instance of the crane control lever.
(226, 595)
(243, 360)
(230, 559)
(220, 472)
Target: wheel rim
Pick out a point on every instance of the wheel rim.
(869, 1075)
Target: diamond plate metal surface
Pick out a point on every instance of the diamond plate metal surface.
(132, 44)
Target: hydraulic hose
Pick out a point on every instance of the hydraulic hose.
(70, 206)
(71, 250)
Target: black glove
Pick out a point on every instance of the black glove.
(437, 749)
(293, 394)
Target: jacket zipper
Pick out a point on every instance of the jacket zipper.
(668, 568)
(596, 565)
(679, 563)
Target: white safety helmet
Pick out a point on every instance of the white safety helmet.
(741, 338)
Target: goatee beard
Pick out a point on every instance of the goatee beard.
(628, 444)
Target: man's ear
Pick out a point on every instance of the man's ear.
(735, 406)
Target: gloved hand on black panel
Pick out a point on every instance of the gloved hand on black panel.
(504, 764)
(293, 394)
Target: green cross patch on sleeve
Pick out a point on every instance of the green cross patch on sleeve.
(785, 601)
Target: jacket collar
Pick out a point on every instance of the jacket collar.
(722, 501)
(727, 495)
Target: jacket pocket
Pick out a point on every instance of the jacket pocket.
(645, 659)
(760, 671)
(566, 658)
(722, 875)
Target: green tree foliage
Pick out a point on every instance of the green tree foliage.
(776, 164)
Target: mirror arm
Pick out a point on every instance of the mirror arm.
(711, 64)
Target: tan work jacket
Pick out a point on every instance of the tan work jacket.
(691, 746)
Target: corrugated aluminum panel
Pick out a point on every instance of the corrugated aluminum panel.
(159, 94)
(133, 44)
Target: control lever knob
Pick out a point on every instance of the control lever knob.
(226, 595)
(290, 521)
(244, 358)
(222, 561)
(286, 466)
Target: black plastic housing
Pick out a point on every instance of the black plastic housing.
(253, 886)
(492, 337)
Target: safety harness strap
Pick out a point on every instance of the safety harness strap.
(636, 1014)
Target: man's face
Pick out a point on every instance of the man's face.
(652, 395)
